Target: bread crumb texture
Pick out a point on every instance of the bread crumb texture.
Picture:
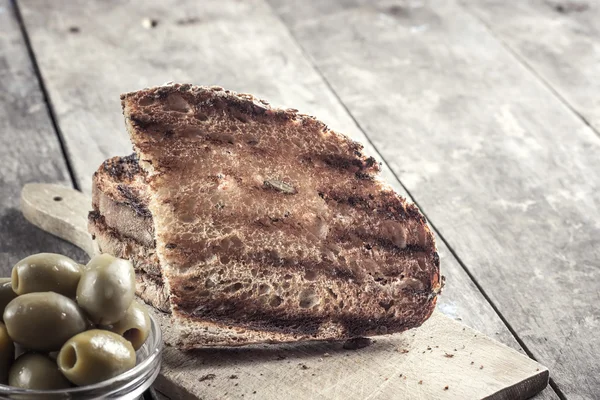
(267, 225)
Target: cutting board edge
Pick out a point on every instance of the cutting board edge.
(522, 389)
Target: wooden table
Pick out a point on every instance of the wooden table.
(485, 113)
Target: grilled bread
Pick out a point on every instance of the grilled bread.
(122, 225)
(119, 194)
(270, 227)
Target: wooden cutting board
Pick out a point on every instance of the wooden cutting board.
(442, 359)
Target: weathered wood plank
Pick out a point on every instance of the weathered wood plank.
(559, 40)
(29, 148)
(507, 173)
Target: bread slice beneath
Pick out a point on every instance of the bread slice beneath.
(150, 286)
(270, 227)
(119, 195)
(122, 225)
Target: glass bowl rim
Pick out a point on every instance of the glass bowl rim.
(155, 344)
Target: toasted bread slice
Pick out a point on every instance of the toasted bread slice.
(119, 195)
(150, 287)
(122, 225)
(270, 227)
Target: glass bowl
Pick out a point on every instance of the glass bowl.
(129, 385)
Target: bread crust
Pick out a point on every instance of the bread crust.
(266, 221)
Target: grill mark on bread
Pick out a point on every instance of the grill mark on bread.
(156, 279)
(122, 168)
(134, 202)
(123, 202)
(364, 176)
(244, 314)
(242, 106)
(97, 224)
(366, 203)
(415, 285)
(325, 268)
(386, 204)
(270, 260)
(152, 292)
(323, 259)
(94, 215)
(343, 162)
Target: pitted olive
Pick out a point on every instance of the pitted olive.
(106, 289)
(95, 356)
(46, 272)
(134, 326)
(43, 321)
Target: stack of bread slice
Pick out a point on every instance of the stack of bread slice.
(122, 224)
(254, 224)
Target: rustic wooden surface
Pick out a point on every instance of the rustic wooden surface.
(558, 40)
(239, 25)
(422, 363)
(480, 108)
(502, 168)
(59, 210)
(29, 148)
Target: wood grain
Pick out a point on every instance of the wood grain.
(239, 45)
(418, 364)
(506, 172)
(29, 148)
(558, 39)
(43, 204)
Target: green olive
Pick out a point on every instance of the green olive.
(95, 356)
(6, 293)
(43, 321)
(36, 371)
(134, 326)
(46, 272)
(7, 353)
(106, 289)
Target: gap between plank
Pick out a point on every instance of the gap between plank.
(439, 235)
(560, 98)
(38, 74)
(528, 67)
